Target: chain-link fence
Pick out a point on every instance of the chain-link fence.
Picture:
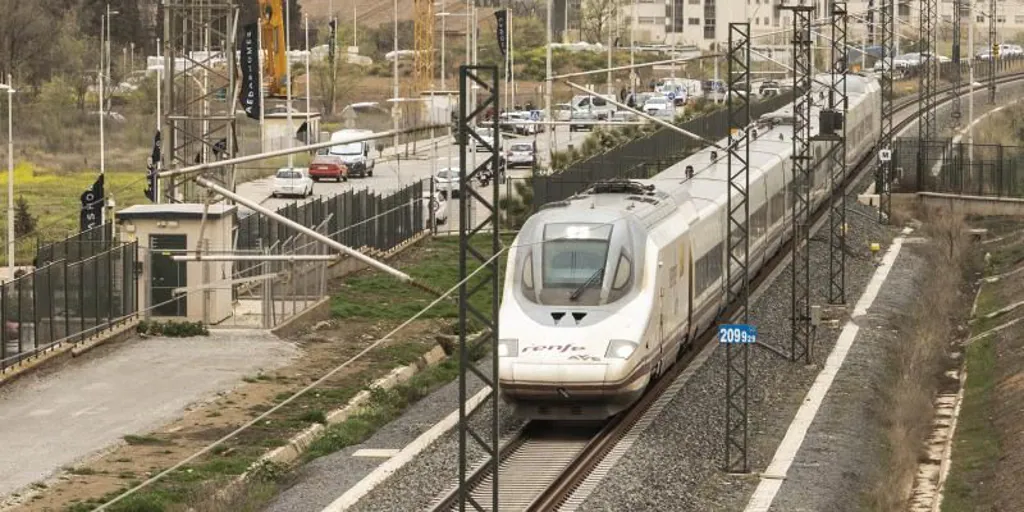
(67, 301)
(943, 166)
(77, 247)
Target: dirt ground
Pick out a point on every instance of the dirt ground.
(143, 456)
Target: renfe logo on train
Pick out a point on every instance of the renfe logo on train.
(569, 347)
(737, 333)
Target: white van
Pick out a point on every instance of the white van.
(598, 104)
(355, 155)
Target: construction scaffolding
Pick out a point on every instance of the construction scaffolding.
(423, 28)
(199, 92)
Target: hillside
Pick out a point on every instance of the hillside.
(370, 12)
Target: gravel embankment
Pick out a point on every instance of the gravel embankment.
(413, 486)
(839, 458)
(676, 464)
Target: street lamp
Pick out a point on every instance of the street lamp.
(10, 174)
(104, 52)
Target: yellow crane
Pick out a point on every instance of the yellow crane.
(275, 66)
(423, 60)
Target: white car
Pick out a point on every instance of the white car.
(658, 106)
(438, 204)
(521, 153)
(292, 182)
(445, 179)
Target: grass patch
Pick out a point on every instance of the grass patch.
(146, 440)
(383, 407)
(54, 199)
(373, 295)
(976, 448)
(81, 471)
(314, 417)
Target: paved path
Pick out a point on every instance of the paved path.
(53, 419)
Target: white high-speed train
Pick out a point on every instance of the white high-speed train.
(604, 290)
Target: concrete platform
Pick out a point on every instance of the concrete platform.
(62, 415)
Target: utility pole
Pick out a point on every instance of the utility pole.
(288, 77)
(10, 176)
(309, 83)
(394, 83)
(550, 132)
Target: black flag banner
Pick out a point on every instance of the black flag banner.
(502, 26)
(153, 166)
(92, 206)
(249, 96)
(333, 40)
(303, 133)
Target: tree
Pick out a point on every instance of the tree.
(24, 222)
(25, 33)
(597, 17)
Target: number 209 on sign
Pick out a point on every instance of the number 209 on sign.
(737, 333)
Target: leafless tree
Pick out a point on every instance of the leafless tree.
(597, 17)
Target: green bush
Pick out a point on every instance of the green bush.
(173, 329)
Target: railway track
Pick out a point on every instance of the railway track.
(542, 464)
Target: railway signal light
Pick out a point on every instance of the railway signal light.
(995, 51)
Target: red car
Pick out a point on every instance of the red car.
(328, 167)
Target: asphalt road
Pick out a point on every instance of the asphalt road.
(392, 174)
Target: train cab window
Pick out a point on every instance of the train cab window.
(622, 273)
(528, 272)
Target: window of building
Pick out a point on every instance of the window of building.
(1000, 19)
(757, 21)
(709, 31)
(694, 21)
(766, 21)
(904, 10)
(1018, 20)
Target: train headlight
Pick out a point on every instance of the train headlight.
(620, 349)
(508, 348)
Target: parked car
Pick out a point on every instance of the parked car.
(330, 167)
(292, 182)
(436, 203)
(598, 104)
(446, 179)
(587, 116)
(522, 153)
(658, 106)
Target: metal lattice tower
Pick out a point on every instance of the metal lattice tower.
(927, 78)
(737, 355)
(992, 42)
(423, 26)
(838, 104)
(479, 246)
(199, 91)
(803, 167)
(956, 79)
(883, 176)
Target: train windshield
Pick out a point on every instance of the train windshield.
(573, 263)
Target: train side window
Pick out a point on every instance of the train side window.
(622, 273)
(778, 206)
(528, 272)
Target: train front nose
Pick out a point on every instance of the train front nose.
(563, 388)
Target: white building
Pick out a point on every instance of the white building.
(705, 22)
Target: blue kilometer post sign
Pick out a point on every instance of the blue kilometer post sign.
(737, 333)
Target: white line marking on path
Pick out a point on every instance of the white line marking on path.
(369, 482)
(775, 475)
(376, 452)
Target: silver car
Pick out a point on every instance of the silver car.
(445, 180)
